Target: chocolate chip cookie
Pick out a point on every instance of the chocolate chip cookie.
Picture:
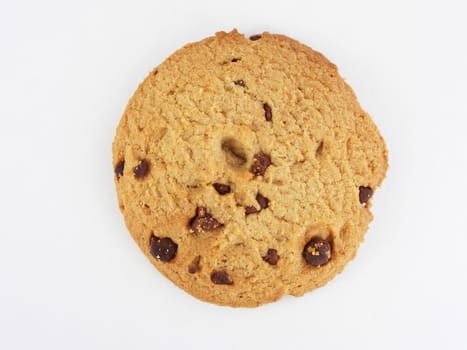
(245, 169)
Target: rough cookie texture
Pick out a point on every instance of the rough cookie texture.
(244, 169)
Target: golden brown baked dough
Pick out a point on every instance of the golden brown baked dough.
(244, 169)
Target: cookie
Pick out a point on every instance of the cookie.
(245, 169)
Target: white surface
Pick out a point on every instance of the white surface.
(70, 275)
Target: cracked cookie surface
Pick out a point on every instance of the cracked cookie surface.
(245, 169)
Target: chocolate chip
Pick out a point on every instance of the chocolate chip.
(194, 266)
(163, 249)
(251, 210)
(203, 221)
(220, 277)
(365, 194)
(267, 112)
(235, 59)
(261, 162)
(271, 257)
(142, 169)
(262, 201)
(240, 83)
(319, 149)
(221, 188)
(119, 169)
(255, 37)
(317, 251)
(206, 224)
(263, 204)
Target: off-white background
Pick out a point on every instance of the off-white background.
(72, 278)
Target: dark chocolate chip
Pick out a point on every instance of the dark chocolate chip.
(271, 257)
(261, 162)
(255, 37)
(365, 194)
(240, 83)
(262, 201)
(203, 221)
(267, 112)
(220, 277)
(221, 188)
(319, 149)
(163, 249)
(194, 266)
(142, 169)
(235, 59)
(119, 169)
(263, 204)
(317, 251)
(251, 210)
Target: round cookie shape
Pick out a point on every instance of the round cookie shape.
(245, 169)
